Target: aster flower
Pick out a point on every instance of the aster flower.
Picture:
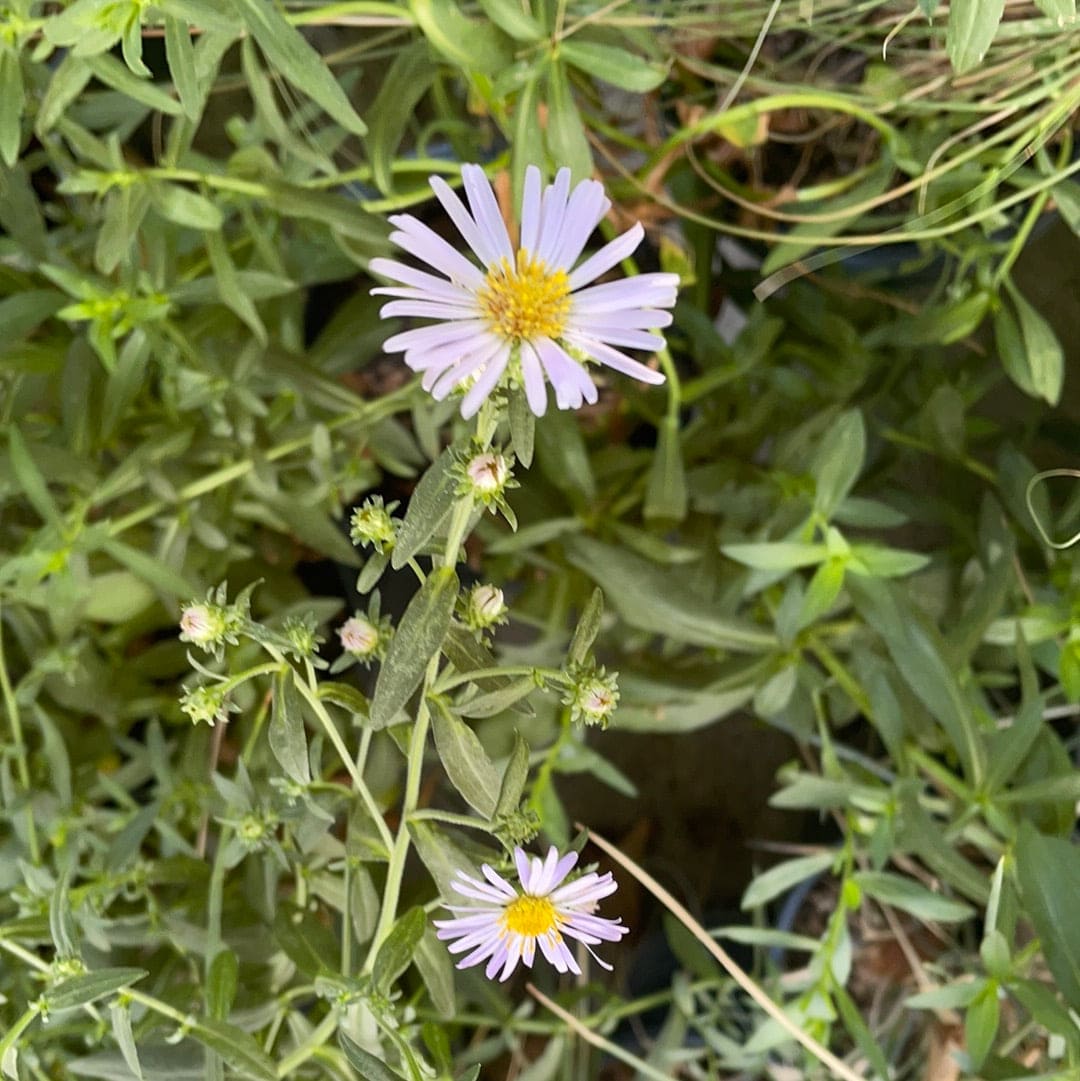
(506, 926)
(526, 314)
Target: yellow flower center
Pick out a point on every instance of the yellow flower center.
(530, 916)
(526, 300)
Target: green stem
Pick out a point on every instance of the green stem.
(396, 868)
(21, 759)
(448, 683)
(299, 1055)
(451, 818)
(310, 693)
(215, 1069)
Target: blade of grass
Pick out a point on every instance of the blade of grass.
(823, 1054)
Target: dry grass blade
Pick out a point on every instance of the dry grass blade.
(822, 1053)
(640, 1065)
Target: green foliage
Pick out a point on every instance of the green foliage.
(824, 520)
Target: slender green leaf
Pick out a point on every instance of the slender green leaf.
(288, 50)
(222, 984)
(91, 986)
(286, 735)
(366, 1065)
(511, 18)
(180, 54)
(783, 876)
(436, 969)
(12, 100)
(429, 504)
(612, 65)
(514, 778)
(418, 639)
(912, 896)
(776, 555)
(972, 26)
(838, 462)
(566, 139)
(466, 763)
(469, 43)
(396, 953)
(665, 488)
(916, 649)
(117, 75)
(187, 208)
(229, 288)
(120, 1019)
(237, 1047)
(659, 601)
(405, 83)
(588, 627)
(30, 479)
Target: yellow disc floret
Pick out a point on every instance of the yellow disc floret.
(526, 300)
(530, 916)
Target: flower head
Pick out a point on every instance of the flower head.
(526, 314)
(593, 696)
(372, 524)
(504, 926)
(359, 637)
(485, 606)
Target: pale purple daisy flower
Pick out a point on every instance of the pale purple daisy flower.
(506, 926)
(524, 314)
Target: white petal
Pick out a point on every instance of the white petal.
(461, 218)
(640, 292)
(442, 356)
(528, 951)
(629, 339)
(562, 869)
(486, 212)
(596, 927)
(512, 956)
(498, 881)
(470, 942)
(587, 889)
(485, 384)
(448, 295)
(426, 337)
(550, 949)
(400, 272)
(530, 210)
(468, 886)
(497, 960)
(521, 861)
(566, 375)
(542, 885)
(426, 309)
(417, 239)
(480, 953)
(612, 358)
(553, 209)
(612, 253)
(449, 379)
(584, 212)
(535, 388)
(627, 319)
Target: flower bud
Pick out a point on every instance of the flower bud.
(593, 698)
(359, 637)
(204, 705)
(203, 625)
(372, 524)
(487, 475)
(485, 607)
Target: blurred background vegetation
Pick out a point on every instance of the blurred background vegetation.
(823, 546)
